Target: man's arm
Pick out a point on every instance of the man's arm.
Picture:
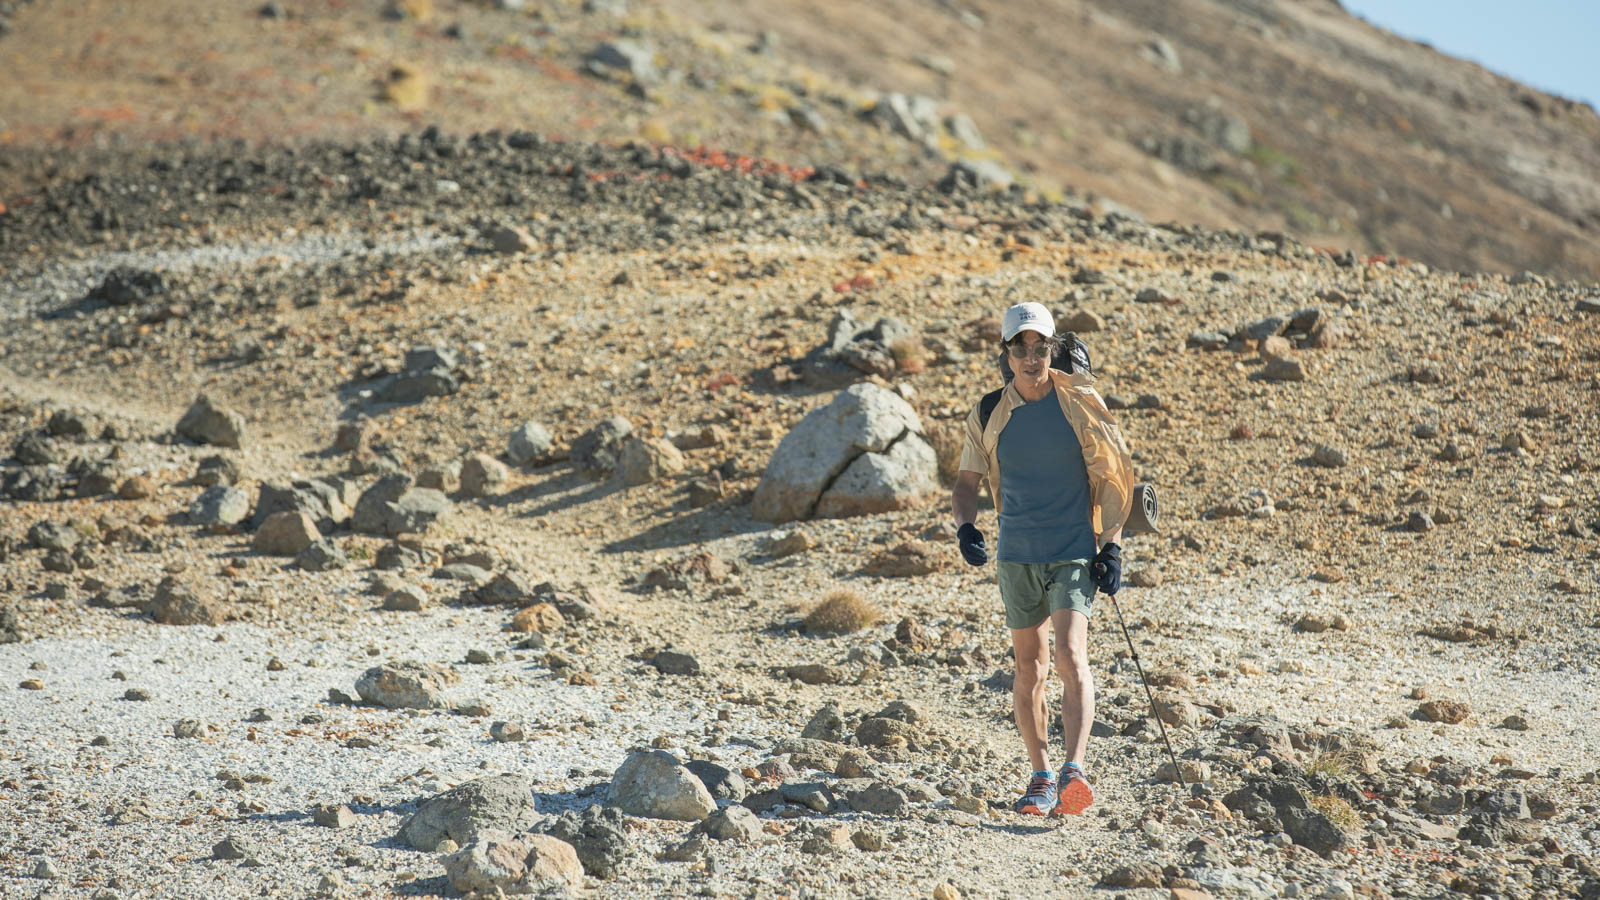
(964, 497)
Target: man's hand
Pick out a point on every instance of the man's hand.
(1106, 569)
(972, 549)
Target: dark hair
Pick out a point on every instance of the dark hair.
(1054, 342)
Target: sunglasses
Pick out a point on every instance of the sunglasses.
(1040, 350)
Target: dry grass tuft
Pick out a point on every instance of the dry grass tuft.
(842, 612)
(1338, 810)
(909, 355)
(1329, 764)
(406, 87)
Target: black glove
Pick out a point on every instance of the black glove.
(972, 549)
(1107, 569)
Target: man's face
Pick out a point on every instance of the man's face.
(1033, 365)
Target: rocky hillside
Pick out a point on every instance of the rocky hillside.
(1259, 115)
(361, 545)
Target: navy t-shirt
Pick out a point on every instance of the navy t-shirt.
(1044, 488)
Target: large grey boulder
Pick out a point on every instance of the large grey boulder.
(653, 784)
(407, 685)
(862, 453)
(463, 813)
(208, 423)
(501, 863)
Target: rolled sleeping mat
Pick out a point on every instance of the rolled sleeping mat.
(1142, 520)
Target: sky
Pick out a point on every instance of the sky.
(1547, 44)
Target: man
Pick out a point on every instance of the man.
(1062, 482)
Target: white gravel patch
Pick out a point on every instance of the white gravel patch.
(67, 790)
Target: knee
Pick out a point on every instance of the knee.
(1030, 674)
(1073, 666)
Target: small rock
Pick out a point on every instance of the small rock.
(483, 476)
(220, 504)
(498, 863)
(669, 662)
(1449, 712)
(321, 556)
(530, 444)
(188, 728)
(286, 534)
(208, 423)
(512, 239)
(540, 617)
(333, 816)
(407, 685)
(732, 823)
(507, 732)
(643, 461)
(406, 599)
(138, 487)
(1330, 457)
(1136, 875)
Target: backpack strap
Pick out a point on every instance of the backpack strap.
(986, 407)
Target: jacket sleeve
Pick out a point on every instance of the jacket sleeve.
(972, 456)
(1110, 465)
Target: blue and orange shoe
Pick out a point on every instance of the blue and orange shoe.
(1041, 794)
(1073, 794)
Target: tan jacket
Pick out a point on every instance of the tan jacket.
(1105, 453)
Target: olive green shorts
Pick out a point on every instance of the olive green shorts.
(1032, 591)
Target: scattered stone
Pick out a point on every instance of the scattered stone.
(655, 785)
(513, 239)
(670, 662)
(598, 834)
(137, 487)
(642, 461)
(234, 847)
(1449, 712)
(498, 863)
(220, 505)
(1419, 522)
(1330, 457)
(407, 685)
(731, 823)
(483, 476)
(461, 814)
(208, 423)
(1136, 875)
(530, 444)
(321, 556)
(507, 732)
(722, 783)
(286, 534)
(180, 601)
(188, 728)
(409, 598)
(881, 799)
(1284, 368)
(816, 673)
(598, 451)
(540, 617)
(335, 815)
(826, 725)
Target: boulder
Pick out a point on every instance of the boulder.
(321, 556)
(645, 460)
(723, 783)
(598, 451)
(530, 444)
(862, 453)
(731, 823)
(184, 602)
(598, 834)
(653, 784)
(392, 506)
(208, 423)
(220, 504)
(286, 534)
(498, 863)
(407, 685)
(499, 802)
(482, 475)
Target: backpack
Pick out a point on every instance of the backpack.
(1073, 357)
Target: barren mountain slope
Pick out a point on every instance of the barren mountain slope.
(1258, 115)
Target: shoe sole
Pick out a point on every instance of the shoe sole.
(1033, 811)
(1074, 797)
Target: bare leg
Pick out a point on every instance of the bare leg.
(1028, 692)
(1072, 663)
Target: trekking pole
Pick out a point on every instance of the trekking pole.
(1177, 772)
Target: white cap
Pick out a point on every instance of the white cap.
(1028, 316)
